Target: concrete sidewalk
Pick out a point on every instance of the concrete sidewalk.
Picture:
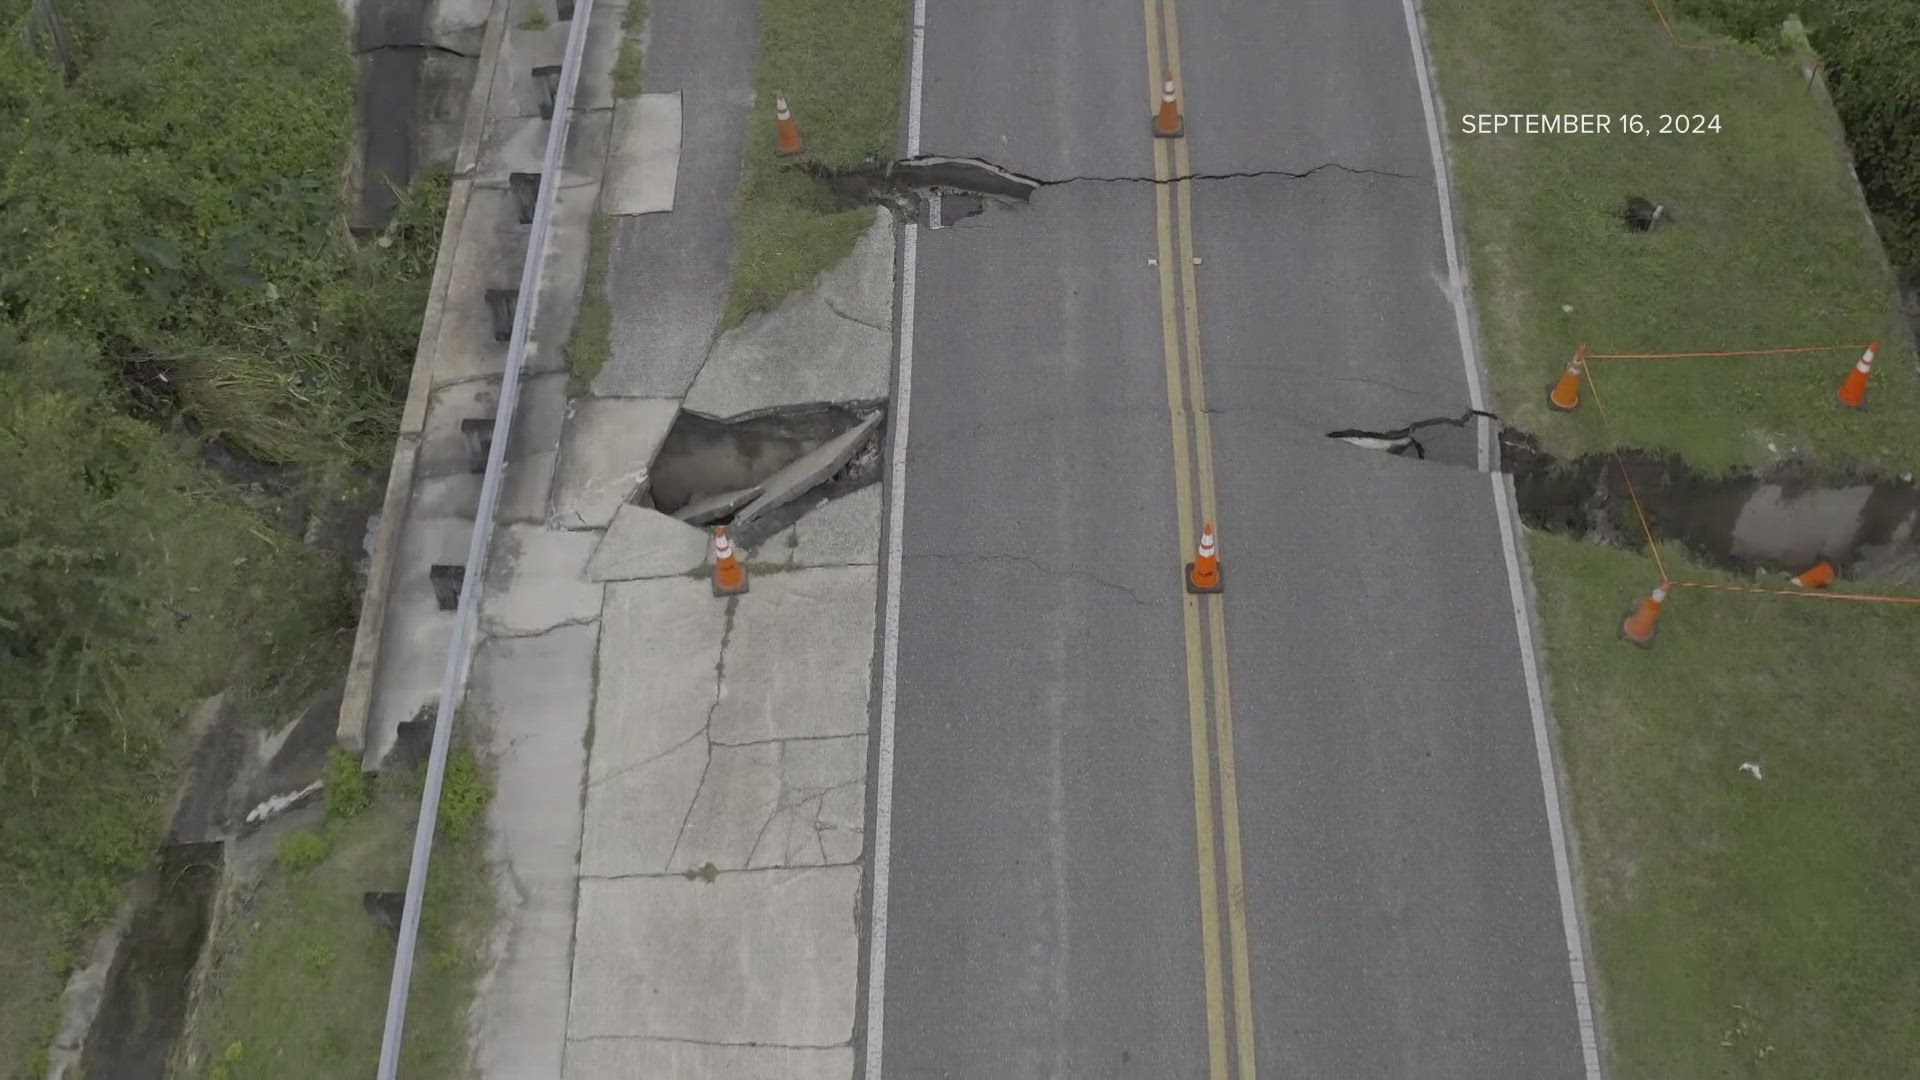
(677, 826)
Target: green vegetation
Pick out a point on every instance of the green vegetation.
(128, 583)
(1868, 48)
(1743, 927)
(1768, 247)
(840, 63)
(626, 66)
(591, 341)
(299, 990)
(176, 264)
(536, 18)
(179, 203)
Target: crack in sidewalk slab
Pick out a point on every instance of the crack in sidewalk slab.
(792, 738)
(818, 798)
(1029, 561)
(710, 1042)
(831, 306)
(703, 874)
(669, 752)
(494, 629)
(706, 730)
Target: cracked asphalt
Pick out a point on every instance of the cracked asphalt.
(1402, 912)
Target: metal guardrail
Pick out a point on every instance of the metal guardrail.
(460, 645)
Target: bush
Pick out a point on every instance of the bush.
(180, 201)
(463, 796)
(303, 850)
(348, 789)
(1869, 48)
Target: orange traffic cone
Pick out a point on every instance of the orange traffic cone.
(1818, 576)
(1169, 123)
(1853, 391)
(790, 142)
(1644, 620)
(1565, 395)
(729, 577)
(1203, 573)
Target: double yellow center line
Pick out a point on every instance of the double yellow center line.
(1208, 697)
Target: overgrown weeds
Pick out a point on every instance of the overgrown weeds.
(840, 64)
(591, 342)
(299, 988)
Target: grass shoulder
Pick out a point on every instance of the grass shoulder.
(297, 987)
(841, 65)
(1768, 245)
(1743, 925)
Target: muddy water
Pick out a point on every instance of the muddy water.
(146, 997)
(1785, 520)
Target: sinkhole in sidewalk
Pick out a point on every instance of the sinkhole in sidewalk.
(753, 470)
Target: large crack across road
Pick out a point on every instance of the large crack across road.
(910, 180)
(1253, 174)
(1399, 441)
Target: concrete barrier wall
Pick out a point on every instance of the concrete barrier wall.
(489, 79)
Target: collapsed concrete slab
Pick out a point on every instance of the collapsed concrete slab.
(608, 446)
(834, 343)
(810, 471)
(768, 958)
(714, 507)
(645, 543)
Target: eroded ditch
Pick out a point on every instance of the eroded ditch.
(1781, 520)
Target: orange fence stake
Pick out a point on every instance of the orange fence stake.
(1565, 395)
(1643, 621)
(1853, 391)
(1203, 573)
(729, 576)
(1818, 576)
(790, 142)
(1169, 123)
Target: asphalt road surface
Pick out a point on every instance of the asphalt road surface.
(1063, 877)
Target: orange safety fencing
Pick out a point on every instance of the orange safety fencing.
(1667, 581)
(1669, 29)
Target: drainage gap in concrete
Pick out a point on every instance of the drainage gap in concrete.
(145, 1003)
(751, 472)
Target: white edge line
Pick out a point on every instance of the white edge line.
(1522, 615)
(890, 633)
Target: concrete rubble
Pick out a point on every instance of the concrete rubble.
(810, 471)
